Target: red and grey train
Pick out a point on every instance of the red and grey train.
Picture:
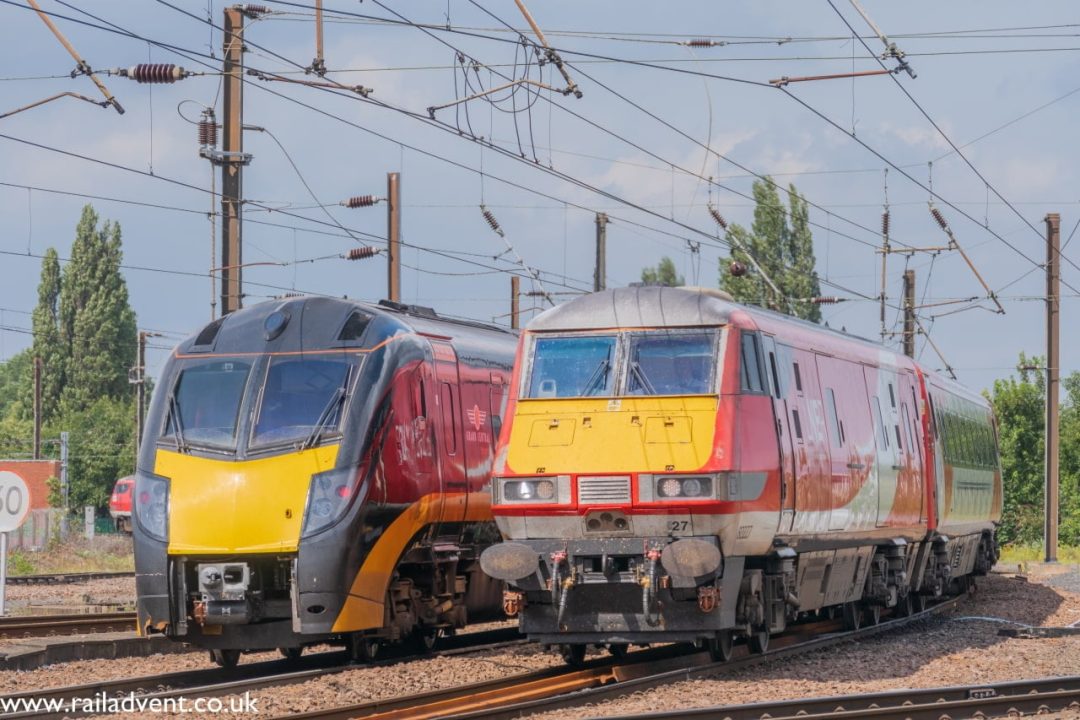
(674, 466)
(317, 470)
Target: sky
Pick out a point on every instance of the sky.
(662, 129)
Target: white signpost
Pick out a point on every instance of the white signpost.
(14, 507)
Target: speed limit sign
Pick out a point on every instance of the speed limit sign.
(14, 501)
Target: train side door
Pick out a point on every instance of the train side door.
(778, 386)
(881, 387)
(451, 450)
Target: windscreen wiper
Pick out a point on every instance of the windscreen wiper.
(639, 375)
(177, 423)
(599, 374)
(334, 403)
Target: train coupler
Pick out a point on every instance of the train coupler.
(708, 597)
(512, 602)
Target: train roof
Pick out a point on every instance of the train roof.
(639, 306)
(312, 323)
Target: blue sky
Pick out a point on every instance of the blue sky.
(972, 79)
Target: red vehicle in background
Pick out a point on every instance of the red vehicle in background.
(120, 503)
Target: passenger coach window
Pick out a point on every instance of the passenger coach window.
(572, 367)
(663, 363)
(205, 403)
(303, 397)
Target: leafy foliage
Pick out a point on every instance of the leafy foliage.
(84, 332)
(663, 274)
(1020, 406)
(782, 245)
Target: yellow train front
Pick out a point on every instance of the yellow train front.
(317, 470)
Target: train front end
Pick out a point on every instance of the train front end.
(254, 472)
(627, 500)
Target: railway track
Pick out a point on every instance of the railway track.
(215, 682)
(1006, 698)
(536, 692)
(62, 578)
(16, 627)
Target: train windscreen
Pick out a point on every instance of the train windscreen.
(303, 399)
(204, 405)
(573, 366)
(670, 363)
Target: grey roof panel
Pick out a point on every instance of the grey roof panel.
(638, 307)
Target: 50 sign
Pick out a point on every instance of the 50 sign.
(14, 501)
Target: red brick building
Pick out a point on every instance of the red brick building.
(36, 474)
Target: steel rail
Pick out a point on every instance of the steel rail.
(556, 688)
(61, 578)
(215, 682)
(24, 626)
(984, 700)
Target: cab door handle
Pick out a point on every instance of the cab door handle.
(856, 466)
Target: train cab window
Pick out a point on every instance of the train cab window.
(834, 419)
(579, 366)
(670, 363)
(204, 405)
(750, 364)
(303, 398)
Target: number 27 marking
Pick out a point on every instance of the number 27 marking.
(678, 525)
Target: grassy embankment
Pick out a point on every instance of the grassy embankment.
(105, 553)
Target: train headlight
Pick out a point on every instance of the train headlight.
(152, 505)
(541, 490)
(684, 488)
(328, 497)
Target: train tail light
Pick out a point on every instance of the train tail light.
(152, 505)
(543, 490)
(328, 497)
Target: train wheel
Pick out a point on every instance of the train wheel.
(920, 603)
(363, 648)
(573, 654)
(905, 606)
(721, 646)
(292, 654)
(759, 641)
(227, 659)
(618, 650)
(872, 614)
(852, 616)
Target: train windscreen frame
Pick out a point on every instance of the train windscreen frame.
(204, 403)
(572, 366)
(671, 362)
(302, 399)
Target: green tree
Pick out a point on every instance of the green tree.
(47, 344)
(663, 274)
(13, 373)
(101, 448)
(97, 325)
(780, 242)
(1019, 405)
